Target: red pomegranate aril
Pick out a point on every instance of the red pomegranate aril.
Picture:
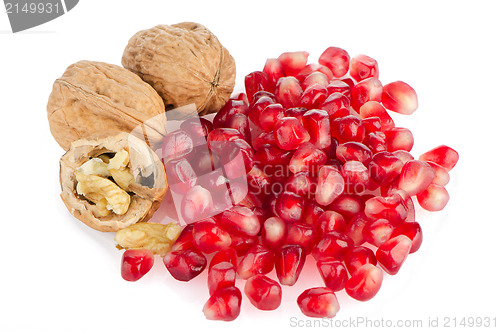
(257, 81)
(393, 253)
(384, 167)
(332, 244)
(136, 263)
(270, 158)
(203, 161)
(307, 158)
(209, 237)
(372, 124)
(314, 67)
(347, 205)
(288, 92)
(223, 305)
(358, 257)
(261, 94)
(293, 62)
(375, 109)
(241, 123)
(262, 139)
(259, 184)
(404, 156)
(290, 133)
(289, 261)
(237, 158)
(443, 155)
(416, 176)
(400, 97)
(301, 234)
(347, 128)
(336, 85)
(319, 302)
(365, 283)
(196, 204)
(301, 183)
(312, 211)
(391, 207)
(349, 81)
(313, 79)
(274, 70)
(185, 239)
(186, 264)
(176, 145)
(199, 127)
(240, 219)
(413, 231)
(232, 107)
(241, 243)
(433, 198)
(355, 228)
(399, 139)
(218, 139)
(330, 221)
(336, 59)
(353, 151)
(363, 67)
(330, 185)
(181, 175)
(356, 177)
(336, 105)
(240, 96)
(258, 106)
(331, 151)
(333, 273)
(366, 90)
(224, 255)
(297, 112)
(263, 292)
(378, 231)
(220, 276)
(317, 124)
(376, 142)
(274, 233)
(442, 176)
(313, 96)
(258, 260)
(290, 206)
(270, 115)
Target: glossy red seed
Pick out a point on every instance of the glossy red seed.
(399, 139)
(372, 124)
(330, 221)
(181, 175)
(240, 96)
(240, 219)
(262, 139)
(225, 255)
(199, 127)
(393, 253)
(289, 261)
(259, 104)
(332, 244)
(297, 112)
(353, 151)
(375, 109)
(176, 145)
(404, 156)
(241, 123)
(378, 231)
(274, 70)
(258, 260)
(259, 184)
(317, 124)
(288, 92)
(355, 228)
(263, 292)
(136, 263)
(442, 176)
(314, 78)
(241, 243)
(376, 141)
(347, 205)
(313, 96)
(312, 211)
(301, 183)
(196, 204)
(209, 237)
(333, 273)
(336, 59)
(290, 133)
(203, 161)
(433, 198)
(185, 265)
(356, 177)
(330, 185)
(416, 176)
(270, 115)
(185, 239)
(290, 206)
(301, 234)
(218, 139)
(257, 81)
(347, 128)
(336, 105)
(365, 283)
(385, 167)
(413, 231)
(391, 207)
(400, 97)
(366, 90)
(442, 155)
(314, 67)
(231, 108)
(358, 257)
(336, 85)
(274, 233)
(223, 305)
(220, 276)
(269, 156)
(293, 62)
(363, 67)
(307, 158)
(319, 302)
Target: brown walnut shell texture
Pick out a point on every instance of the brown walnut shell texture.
(185, 63)
(147, 193)
(96, 99)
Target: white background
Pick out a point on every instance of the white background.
(58, 274)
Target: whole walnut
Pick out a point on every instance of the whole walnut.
(185, 63)
(96, 99)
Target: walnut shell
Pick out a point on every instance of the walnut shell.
(185, 63)
(146, 193)
(100, 99)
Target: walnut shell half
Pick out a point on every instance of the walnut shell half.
(185, 63)
(99, 99)
(145, 193)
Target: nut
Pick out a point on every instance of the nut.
(156, 237)
(185, 63)
(96, 99)
(111, 183)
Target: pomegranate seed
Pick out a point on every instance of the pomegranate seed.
(242, 243)
(301, 234)
(258, 182)
(288, 92)
(257, 81)
(240, 96)
(240, 219)
(400, 97)
(263, 292)
(311, 212)
(376, 142)
(241, 123)
(270, 155)
(199, 127)
(314, 78)
(372, 124)
(375, 109)
(385, 167)
(313, 96)
(347, 205)
(290, 206)
(225, 255)
(442, 176)
(203, 161)
(433, 198)
(336, 59)
(238, 194)
(378, 231)
(307, 158)
(363, 67)
(289, 262)
(258, 106)
(331, 151)
(258, 260)
(270, 115)
(219, 138)
(263, 139)
(404, 156)
(185, 265)
(185, 239)
(274, 70)
(176, 145)
(231, 108)
(181, 175)
(330, 221)
(411, 230)
(332, 244)
(358, 257)
(220, 276)
(317, 124)
(237, 158)
(330, 185)
(319, 302)
(223, 305)
(209, 237)
(353, 151)
(301, 183)
(349, 81)
(392, 208)
(442, 155)
(293, 62)
(314, 67)
(136, 263)
(339, 86)
(399, 139)
(336, 105)
(348, 128)
(356, 177)
(297, 112)
(393, 253)
(366, 90)
(274, 233)
(196, 204)
(355, 228)
(333, 273)
(290, 133)
(364, 283)
(416, 176)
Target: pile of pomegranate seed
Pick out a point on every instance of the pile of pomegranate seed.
(308, 161)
